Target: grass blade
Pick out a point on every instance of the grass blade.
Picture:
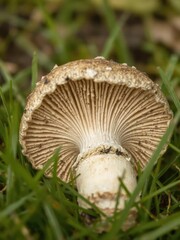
(34, 71)
(53, 222)
(166, 225)
(165, 76)
(120, 45)
(14, 206)
(161, 190)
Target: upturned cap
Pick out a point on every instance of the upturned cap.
(82, 100)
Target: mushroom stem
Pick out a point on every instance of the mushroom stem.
(98, 181)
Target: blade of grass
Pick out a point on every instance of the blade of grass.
(120, 45)
(165, 76)
(55, 163)
(2, 132)
(14, 127)
(8, 78)
(56, 40)
(14, 206)
(167, 225)
(161, 190)
(34, 70)
(154, 224)
(176, 149)
(5, 105)
(9, 185)
(166, 192)
(10, 93)
(112, 38)
(152, 189)
(171, 67)
(53, 222)
(22, 172)
(82, 231)
(51, 161)
(168, 165)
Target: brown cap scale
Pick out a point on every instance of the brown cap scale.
(107, 118)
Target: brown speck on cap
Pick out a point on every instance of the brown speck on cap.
(46, 81)
(92, 95)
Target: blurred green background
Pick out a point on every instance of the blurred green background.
(142, 33)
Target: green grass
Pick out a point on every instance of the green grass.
(33, 207)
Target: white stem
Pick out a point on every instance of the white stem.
(98, 180)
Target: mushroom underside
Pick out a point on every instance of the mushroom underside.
(82, 114)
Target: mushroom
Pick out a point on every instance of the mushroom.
(106, 117)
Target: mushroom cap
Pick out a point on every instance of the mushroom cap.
(86, 100)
